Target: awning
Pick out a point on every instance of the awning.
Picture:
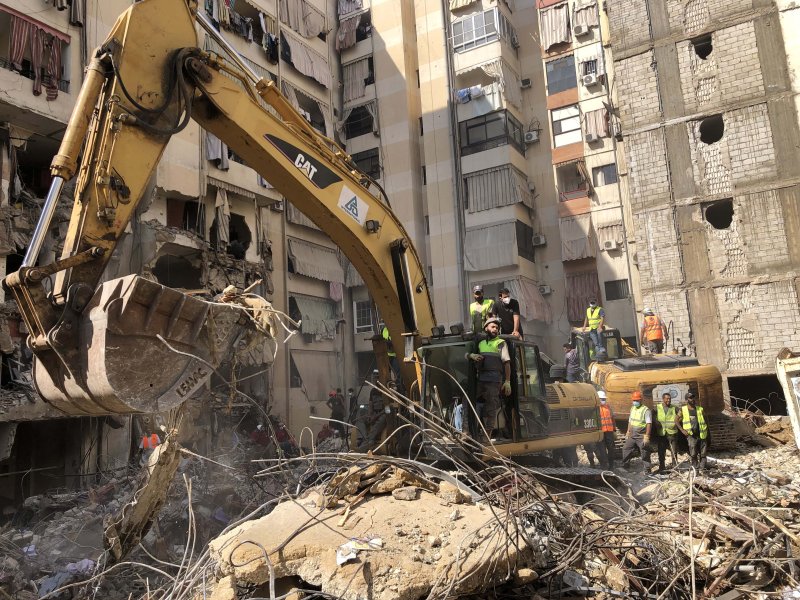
(313, 260)
(317, 372)
(318, 317)
(456, 4)
(54, 32)
(577, 238)
(352, 278)
(309, 62)
(491, 246)
(608, 227)
(229, 187)
(499, 186)
(554, 25)
(293, 215)
(532, 305)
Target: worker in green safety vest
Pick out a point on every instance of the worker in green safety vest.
(594, 323)
(480, 309)
(394, 365)
(640, 424)
(493, 362)
(666, 431)
(691, 421)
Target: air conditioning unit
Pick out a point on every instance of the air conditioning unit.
(525, 82)
(591, 138)
(616, 130)
(610, 245)
(531, 137)
(580, 30)
(545, 290)
(590, 79)
(539, 240)
(277, 206)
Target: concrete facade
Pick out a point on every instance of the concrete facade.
(707, 95)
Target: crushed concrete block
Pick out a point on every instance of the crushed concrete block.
(405, 493)
(225, 589)
(453, 495)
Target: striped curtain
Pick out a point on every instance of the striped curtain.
(21, 34)
(346, 36)
(554, 25)
(53, 66)
(596, 122)
(581, 287)
(354, 76)
(499, 186)
(348, 6)
(37, 53)
(585, 14)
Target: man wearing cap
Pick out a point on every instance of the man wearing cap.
(640, 423)
(494, 373)
(593, 323)
(608, 427)
(653, 333)
(666, 431)
(507, 309)
(691, 421)
(480, 310)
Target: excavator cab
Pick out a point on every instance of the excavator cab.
(588, 353)
(535, 417)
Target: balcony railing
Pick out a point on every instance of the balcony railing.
(63, 84)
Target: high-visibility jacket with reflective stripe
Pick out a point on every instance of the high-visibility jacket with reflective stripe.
(638, 418)
(688, 421)
(491, 367)
(479, 311)
(389, 346)
(606, 418)
(666, 419)
(593, 316)
(652, 329)
(149, 441)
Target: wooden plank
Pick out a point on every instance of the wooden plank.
(728, 530)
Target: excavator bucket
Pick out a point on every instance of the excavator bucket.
(138, 346)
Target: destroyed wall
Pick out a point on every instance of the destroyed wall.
(710, 133)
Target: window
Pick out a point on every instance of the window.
(566, 126)
(617, 289)
(589, 67)
(362, 312)
(359, 122)
(368, 162)
(604, 175)
(482, 28)
(188, 215)
(561, 75)
(490, 131)
(525, 241)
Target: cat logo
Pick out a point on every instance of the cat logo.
(302, 163)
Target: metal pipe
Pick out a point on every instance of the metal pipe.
(43, 225)
(234, 55)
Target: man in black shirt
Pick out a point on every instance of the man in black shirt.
(507, 309)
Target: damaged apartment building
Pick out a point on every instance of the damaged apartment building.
(207, 221)
(707, 99)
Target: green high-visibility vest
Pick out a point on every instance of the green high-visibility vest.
(638, 417)
(593, 316)
(491, 367)
(389, 345)
(667, 420)
(701, 421)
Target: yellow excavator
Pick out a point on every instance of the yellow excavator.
(620, 370)
(130, 345)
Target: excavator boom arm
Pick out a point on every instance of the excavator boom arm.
(145, 83)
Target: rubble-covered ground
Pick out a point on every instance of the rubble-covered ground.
(352, 526)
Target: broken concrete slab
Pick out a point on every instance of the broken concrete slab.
(298, 538)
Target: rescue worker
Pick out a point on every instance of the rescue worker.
(653, 333)
(507, 309)
(394, 365)
(608, 427)
(480, 309)
(691, 421)
(640, 424)
(374, 421)
(494, 373)
(572, 363)
(593, 322)
(666, 431)
(336, 403)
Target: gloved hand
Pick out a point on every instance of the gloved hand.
(476, 357)
(507, 388)
(647, 440)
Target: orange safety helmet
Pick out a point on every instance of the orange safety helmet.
(636, 395)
